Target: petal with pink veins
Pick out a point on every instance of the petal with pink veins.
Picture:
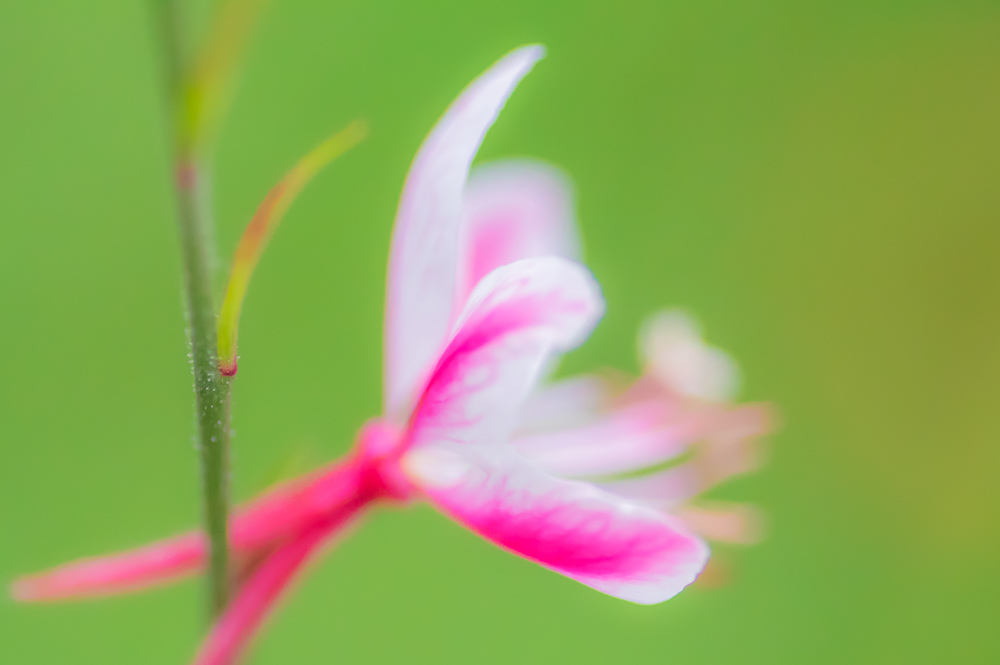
(516, 317)
(423, 259)
(571, 527)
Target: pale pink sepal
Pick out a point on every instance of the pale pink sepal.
(514, 209)
(424, 254)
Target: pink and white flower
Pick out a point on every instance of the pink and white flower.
(484, 292)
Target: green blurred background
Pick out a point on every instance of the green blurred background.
(818, 182)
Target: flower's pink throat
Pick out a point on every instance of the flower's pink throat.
(379, 448)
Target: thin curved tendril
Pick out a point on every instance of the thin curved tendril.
(262, 226)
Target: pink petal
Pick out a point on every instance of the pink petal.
(423, 260)
(258, 596)
(298, 504)
(620, 548)
(277, 515)
(129, 571)
(512, 210)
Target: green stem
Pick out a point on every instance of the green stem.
(212, 390)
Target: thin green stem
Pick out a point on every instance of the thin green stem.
(212, 390)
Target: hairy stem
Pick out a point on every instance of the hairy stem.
(212, 390)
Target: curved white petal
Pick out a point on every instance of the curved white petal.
(514, 209)
(422, 263)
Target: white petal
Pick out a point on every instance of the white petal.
(423, 260)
